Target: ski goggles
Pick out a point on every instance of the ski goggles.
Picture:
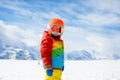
(57, 29)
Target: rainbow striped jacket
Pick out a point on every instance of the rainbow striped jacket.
(52, 51)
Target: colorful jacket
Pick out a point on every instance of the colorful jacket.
(52, 51)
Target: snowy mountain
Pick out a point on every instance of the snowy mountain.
(16, 52)
(80, 55)
(90, 55)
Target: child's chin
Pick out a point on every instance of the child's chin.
(56, 35)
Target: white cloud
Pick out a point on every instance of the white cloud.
(78, 39)
(16, 7)
(75, 39)
(105, 5)
(15, 33)
(105, 45)
(99, 42)
(100, 20)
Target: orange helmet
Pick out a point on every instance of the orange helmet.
(56, 26)
(56, 21)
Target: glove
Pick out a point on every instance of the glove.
(63, 68)
(49, 72)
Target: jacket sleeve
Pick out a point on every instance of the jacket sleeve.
(46, 49)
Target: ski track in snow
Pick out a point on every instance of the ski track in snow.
(74, 70)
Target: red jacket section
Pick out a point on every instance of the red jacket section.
(46, 49)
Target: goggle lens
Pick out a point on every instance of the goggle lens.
(56, 28)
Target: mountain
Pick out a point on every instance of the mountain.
(90, 55)
(80, 55)
(18, 52)
(116, 56)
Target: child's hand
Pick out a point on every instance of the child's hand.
(49, 72)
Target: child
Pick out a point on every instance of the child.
(52, 50)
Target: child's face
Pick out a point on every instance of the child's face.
(56, 30)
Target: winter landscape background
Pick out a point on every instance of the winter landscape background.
(91, 38)
(92, 28)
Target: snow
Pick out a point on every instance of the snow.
(74, 70)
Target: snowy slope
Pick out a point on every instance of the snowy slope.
(74, 70)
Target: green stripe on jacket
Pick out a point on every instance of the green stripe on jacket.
(56, 52)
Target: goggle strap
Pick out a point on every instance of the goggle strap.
(60, 29)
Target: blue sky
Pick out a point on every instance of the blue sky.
(89, 24)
